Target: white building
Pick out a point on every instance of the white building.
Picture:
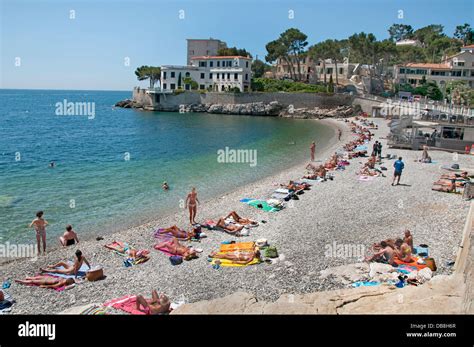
(212, 73)
(458, 67)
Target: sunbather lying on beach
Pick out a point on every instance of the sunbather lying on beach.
(240, 220)
(238, 257)
(68, 268)
(229, 227)
(158, 304)
(445, 186)
(177, 232)
(294, 187)
(47, 281)
(174, 247)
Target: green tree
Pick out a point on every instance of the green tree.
(464, 33)
(152, 73)
(192, 83)
(429, 33)
(233, 51)
(259, 68)
(290, 47)
(459, 93)
(400, 32)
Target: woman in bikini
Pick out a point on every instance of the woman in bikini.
(238, 257)
(177, 232)
(191, 203)
(174, 247)
(68, 268)
(240, 220)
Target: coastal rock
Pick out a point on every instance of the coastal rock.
(316, 112)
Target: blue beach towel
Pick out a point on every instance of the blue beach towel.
(81, 273)
(365, 284)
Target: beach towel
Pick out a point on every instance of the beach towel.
(365, 284)
(127, 303)
(232, 247)
(412, 264)
(237, 246)
(163, 250)
(81, 273)
(7, 303)
(59, 289)
(95, 310)
(261, 205)
(121, 249)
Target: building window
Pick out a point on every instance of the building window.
(173, 86)
(202, 75)
(203, 64)
(210, 76)
(246, 64)
(187, 74)
(460, 63)
(236, 76)
(246, 76)
(402, 70)
(222, 88)
(218, 63)
(202, 86)
(228, 76)
(164, 75)
(172, 74)
(187, 87)
(164, 86)
(217, 76)
(211, 64)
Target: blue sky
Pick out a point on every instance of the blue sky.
(89, 52)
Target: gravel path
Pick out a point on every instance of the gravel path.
(346, 211)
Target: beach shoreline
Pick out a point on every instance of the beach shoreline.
(345, 210)
(322, 151)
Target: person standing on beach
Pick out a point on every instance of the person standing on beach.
(375, 149)
(191, 203)
(339, 132)
(399, 165)
(379, 150)
(313, 150)
(40, 227)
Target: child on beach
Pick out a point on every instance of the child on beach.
(39, 225)
(69, 237)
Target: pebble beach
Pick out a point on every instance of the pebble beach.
(345, 211)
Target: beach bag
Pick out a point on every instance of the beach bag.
(430, 262)
(95, 274)
(176, 260)
(270, 252)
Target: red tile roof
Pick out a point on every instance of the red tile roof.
(468, 46)
(428, 66)
(202, 57)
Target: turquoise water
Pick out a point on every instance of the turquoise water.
(93, 186)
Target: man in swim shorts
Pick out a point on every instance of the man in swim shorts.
(69, 237)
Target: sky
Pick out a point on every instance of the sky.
(97, 45)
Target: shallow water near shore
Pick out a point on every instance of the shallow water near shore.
(96, 189)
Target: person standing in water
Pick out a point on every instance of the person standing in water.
(191, 203)
(40, 227)
(313, 150)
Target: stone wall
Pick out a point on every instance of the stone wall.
(172, 102)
